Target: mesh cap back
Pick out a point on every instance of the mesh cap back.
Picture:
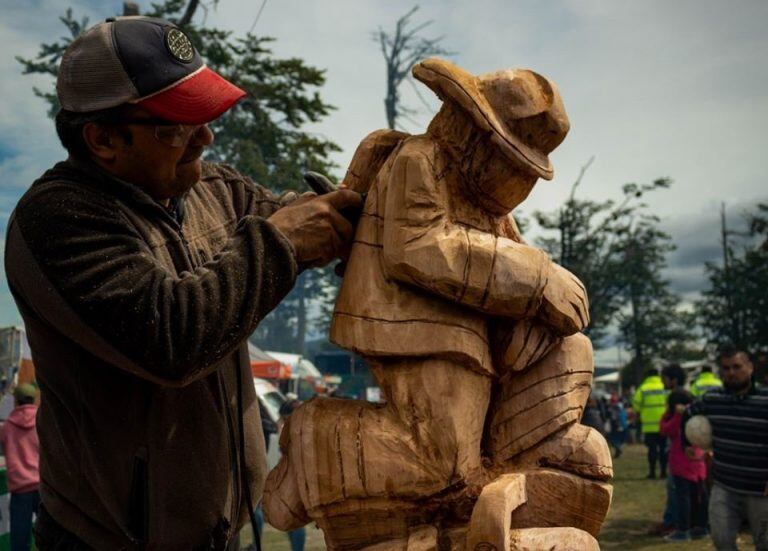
(91, 76)
(147, 62)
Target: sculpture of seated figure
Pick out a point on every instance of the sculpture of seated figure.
(472, 335)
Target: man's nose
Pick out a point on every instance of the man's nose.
(203, 136)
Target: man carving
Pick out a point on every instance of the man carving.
(450, 307)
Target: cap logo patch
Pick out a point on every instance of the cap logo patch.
(179, 45)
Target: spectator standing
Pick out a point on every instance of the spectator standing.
(673, 378)
(689, 473)
(649, 403)
(592, 416)
(21, 448)
(738, 414)
(619, 422)
(705, 382)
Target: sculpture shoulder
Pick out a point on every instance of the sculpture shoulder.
(418, 149)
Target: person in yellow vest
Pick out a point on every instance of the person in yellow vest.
(649, 402)
(705, 382)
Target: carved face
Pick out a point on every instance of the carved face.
(499, 183)
(494, 182)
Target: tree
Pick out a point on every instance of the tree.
(262, 136)
(732, 309)
(618, 251)
(401, 50)
(652, 325)
(589, 238)
(307, 309)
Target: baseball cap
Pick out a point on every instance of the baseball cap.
(143, 61)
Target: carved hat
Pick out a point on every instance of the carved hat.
(521, 109)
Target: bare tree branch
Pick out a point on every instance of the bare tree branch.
(189, 13)
(401, 50)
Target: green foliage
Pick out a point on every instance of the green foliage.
(619, 252)
(590, 239)
(307, 308)
(47, 60)
(262, 136)
(733, 308)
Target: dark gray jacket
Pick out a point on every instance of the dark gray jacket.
(137, 327)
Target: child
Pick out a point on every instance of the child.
(689, 473)
(18, 437)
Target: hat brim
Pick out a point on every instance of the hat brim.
(451, 82)
(197, 99)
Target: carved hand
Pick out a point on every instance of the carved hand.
(565, 307)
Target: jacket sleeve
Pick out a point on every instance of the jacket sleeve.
(78, 264)
(637, 401)
(423, 247)
(256, 200)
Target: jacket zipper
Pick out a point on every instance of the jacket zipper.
(233, 447)
(235, 510)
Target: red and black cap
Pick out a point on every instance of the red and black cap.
(143, 61)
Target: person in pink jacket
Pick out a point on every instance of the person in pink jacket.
(689, 472)
(21, 448)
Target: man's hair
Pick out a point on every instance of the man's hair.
(69, 127)
(675, 372)
(729, 351)
(706, 368)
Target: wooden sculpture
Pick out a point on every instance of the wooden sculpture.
(473, 336)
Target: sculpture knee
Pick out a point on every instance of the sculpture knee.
(543, 399)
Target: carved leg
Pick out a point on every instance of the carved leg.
(364, 472)
(547, 396)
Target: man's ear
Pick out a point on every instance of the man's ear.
(100, 141)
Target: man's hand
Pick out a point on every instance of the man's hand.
(317, 230)
(680, 408)
(565, 307)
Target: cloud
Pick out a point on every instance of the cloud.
(652, 88)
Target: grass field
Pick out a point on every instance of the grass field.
(637, 504)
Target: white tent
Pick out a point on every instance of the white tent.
(612, 377)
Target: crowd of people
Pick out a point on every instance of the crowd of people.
(709, 492)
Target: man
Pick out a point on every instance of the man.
(649, 402)
(21, 448)
(705, 382)
(140, 271)
(738, 413)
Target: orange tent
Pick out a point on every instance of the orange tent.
(265, 366)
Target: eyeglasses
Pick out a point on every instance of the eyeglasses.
(168, 133)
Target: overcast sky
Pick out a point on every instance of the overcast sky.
(652, 88)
